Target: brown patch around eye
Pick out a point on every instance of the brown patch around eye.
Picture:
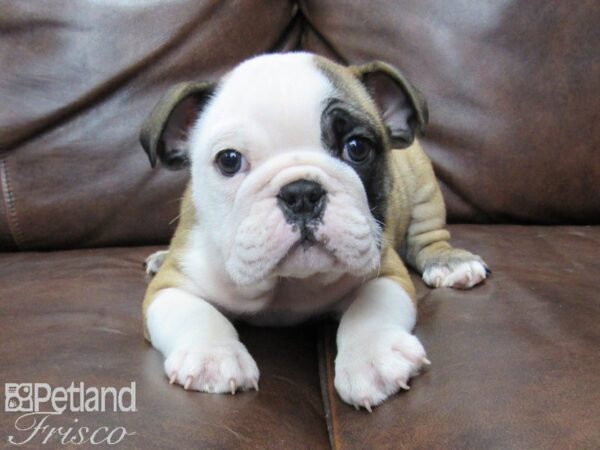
(341, 126)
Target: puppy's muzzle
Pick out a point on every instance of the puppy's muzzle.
(303, 203)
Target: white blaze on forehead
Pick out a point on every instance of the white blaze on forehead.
(274, 99)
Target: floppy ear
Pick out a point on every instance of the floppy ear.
(400, 104)
(164, 133)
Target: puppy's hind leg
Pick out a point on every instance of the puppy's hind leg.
(428, 249)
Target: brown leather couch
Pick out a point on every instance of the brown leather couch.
(514, 93)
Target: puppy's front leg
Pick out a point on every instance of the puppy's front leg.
(377, 353)
(427, 247)
(201, 347)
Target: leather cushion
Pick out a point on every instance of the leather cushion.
(77, 316)
(514, 361)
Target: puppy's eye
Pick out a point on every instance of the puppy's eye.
(230, 162)
(357, 151)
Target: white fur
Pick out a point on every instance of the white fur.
(464, 276)
(201, 347)
(154, 261)
(269, 109)
(377, 354)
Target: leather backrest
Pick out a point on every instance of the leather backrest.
(78, 78)
(512, 88)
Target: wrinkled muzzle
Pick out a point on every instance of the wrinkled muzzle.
(299, 215)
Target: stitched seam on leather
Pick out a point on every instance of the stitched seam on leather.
(332, 398)
(328, 388)
(322, 362)
(9, 202)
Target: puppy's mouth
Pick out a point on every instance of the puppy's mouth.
(307, 236)
(305, 230)
(307, 257)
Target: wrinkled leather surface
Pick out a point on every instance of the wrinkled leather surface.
(82, 77)
(76, 316)
(515, 362)
(512, 88)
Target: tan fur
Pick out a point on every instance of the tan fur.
(415, 217)
(169, 274)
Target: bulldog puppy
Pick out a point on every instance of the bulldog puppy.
(307, 193)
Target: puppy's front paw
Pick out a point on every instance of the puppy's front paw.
(218, 367)
(459, 274)
(369, 371)
(154, 262)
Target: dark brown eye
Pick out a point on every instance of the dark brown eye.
(230, 162)
(357, 151)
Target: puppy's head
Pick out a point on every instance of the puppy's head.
(288, 157)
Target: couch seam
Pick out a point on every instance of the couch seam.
(310, 26)
(296, 19)
(9, 201)
(327, 389)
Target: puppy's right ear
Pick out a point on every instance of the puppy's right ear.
(164, 133)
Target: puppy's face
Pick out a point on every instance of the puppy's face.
(288, 160)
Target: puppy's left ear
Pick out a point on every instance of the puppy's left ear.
(164, 133)
(401, 105)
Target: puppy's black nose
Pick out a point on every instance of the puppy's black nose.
(302, 200)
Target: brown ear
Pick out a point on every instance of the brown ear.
(164, 133)
(401, 105)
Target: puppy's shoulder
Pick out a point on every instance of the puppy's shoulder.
(186, 222)
(412, 168)
(411, 162)
(170, 273)
(180, 242)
